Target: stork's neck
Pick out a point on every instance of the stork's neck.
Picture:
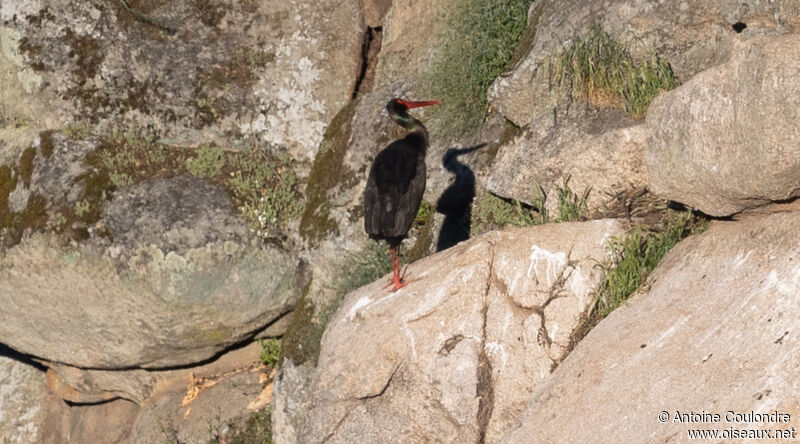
(413, 125)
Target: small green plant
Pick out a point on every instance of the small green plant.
(82, 207)
(479, 41)
(572, 207)
(266, 190)
(634, 257)
(270, 351)
(76, 131)
(57, 222)
(599, 69)
(208, 163)
(120, 179)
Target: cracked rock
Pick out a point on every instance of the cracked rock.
(716, 316)
(454, 356)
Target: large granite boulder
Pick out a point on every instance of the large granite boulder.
(602, 152)
(691, 38)
(453, 356)
(179, 284)
(715, 332)
(190, 71)
(74, 305)
(728, 139)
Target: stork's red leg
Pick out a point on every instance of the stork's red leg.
(396, 280)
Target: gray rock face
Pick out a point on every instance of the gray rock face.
(603, 151)
(191, 71)
(691, 38)
(176, 214)
(108, 422)
(29, 413)
(454, 355)
(75, 306)
(727, 140)
(719, 318)
(58, 163)
(53, 168)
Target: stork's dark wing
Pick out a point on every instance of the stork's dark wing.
(394, 190)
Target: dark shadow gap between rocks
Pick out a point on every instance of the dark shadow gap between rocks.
(8, 352)
(371, 45)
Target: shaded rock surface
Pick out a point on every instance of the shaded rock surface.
(82, 386)
(454, 355)
(227, 387)
(109, 422)
(191, 71)
(690, 36)
(177, 214)
(600, 150)
(74, 305)
(716, 331)
(727, 140)
(29, 413)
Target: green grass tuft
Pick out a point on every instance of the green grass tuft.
(635, 256)
(480, 40)
(493, 213)
(490, 212)
(599, 69)
(572, 207)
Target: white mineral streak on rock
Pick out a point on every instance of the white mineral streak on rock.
(554, 263)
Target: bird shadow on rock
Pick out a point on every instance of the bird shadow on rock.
(456, 201)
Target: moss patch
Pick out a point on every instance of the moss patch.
(26, 165)
(7, 184)
(327, 173)
(14, 225)
(214, 88)
(301, 343)
(46, 145)
(263, 186)
(257, 429)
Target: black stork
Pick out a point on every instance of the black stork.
(396, 183)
